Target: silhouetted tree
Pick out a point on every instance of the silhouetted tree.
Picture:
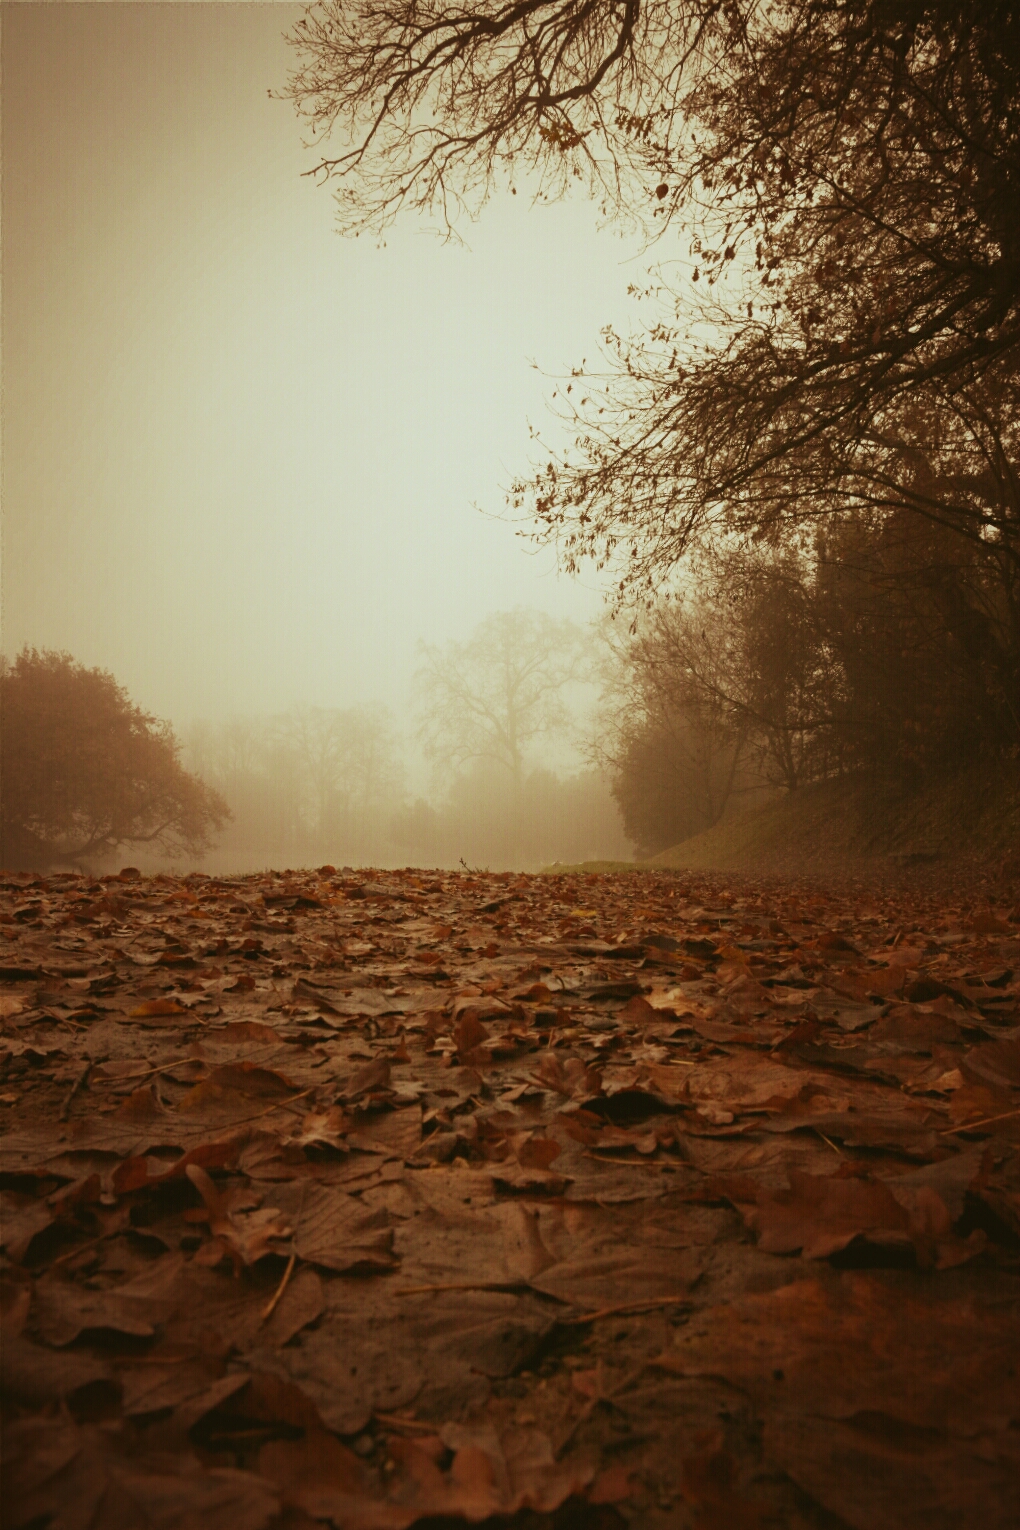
(724, 689)
(841, 178)
(83, 770)
(673, 743)
(918, 629)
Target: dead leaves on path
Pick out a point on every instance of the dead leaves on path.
(820, 1215)
(887, 1407)
(366, 1201)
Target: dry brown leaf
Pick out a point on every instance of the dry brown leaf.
(335, 1231)
(374, 1076)
(244, 1235)
(62, 1309)
(73, 1478)
(816, 1216)
(156, 1007)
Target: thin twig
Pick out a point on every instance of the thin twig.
(625, 1307)
(631, 1163)
(397, 1421)
(465, 1285)
(150, 1073)
(65, 1109)
(969, 1126)
(280, 1105)
(272, 1305)
(286, 1104)
(79, 1248)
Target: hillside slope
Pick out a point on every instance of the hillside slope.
(861, 826)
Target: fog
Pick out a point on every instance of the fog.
(249, 465)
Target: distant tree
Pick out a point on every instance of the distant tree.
(670, 735)
(83, 770)
(733, 685)
(260, 777)
(227, 753)
(310, 781)
(491, 697)
(348, 760)
(783, 684)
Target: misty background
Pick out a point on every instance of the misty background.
(255, 473)
(251, 468)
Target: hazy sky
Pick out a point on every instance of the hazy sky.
(241, 453)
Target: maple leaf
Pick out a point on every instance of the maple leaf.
(243, 1235)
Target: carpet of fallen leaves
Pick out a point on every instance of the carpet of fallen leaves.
(384, 1199)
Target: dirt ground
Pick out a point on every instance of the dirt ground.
(379, 1199)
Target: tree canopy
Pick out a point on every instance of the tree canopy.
(83, 770)
(840, 310)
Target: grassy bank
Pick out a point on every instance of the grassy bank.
(858, 827)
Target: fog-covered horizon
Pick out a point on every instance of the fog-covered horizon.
(249, 464)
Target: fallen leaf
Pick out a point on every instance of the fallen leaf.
(816, 1216)
(335, 1232)
(244, 1235)
(157, 1007)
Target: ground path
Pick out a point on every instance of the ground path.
(380, 1199)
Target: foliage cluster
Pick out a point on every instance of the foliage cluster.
(879, 648)
(83, 770)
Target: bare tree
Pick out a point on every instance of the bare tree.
(669, 733)
(491, 697)
(835, 334)
(227, 752)
(839, 175)
(347, 759)
(433, 102)
(727, 687)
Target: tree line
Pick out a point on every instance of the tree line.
(770, 669)
(85, 771)
(871, 648)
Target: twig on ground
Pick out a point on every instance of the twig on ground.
(280, 1105)
(79, 1248)
(65, 1109)
(633, 1163)
(465, 1285)
(969, 1126)
(274, 1302)
(398, 1421)
(152, 1072)
(626, 1307)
